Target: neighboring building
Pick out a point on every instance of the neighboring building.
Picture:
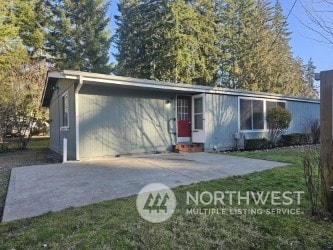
(105, 115)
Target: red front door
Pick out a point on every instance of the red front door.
(184, 118)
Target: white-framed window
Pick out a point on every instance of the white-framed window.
(271, 104)
(183, 109)
(65, 110)
(252, 113)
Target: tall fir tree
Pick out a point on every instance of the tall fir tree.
(78, 35)
(286, 76)
(138, 37)
(234, 43)
(21, 36)
(309, 78)
(167, 40)
(309, 72)
(20, 32)
(256, 58)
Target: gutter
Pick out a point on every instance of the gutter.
(77, 119)
(101, 79)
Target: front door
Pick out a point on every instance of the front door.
(184, 118)
(198, 117)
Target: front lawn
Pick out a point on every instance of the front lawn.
(117, 225)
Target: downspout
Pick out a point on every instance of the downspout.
(77, 119)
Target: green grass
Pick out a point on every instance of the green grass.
(38, 143)
(117, 225)
(288, 155)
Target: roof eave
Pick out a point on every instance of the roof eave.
(143, 83)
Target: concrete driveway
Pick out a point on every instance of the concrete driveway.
(35, 190)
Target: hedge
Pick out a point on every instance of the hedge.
(295, 139)
(257, 144)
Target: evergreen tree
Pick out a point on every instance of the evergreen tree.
(280, 52)
(309, 78)
(138, 37)
(167, 40)
(78, 36)
(234, 42)
(256, 65)
(20, 32)
(191, 37)
(309, 72)
(287, 74)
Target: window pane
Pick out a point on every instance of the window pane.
(270, 105)
(198, 121)
(65, 122)
(258, 114)
(282, 104)
(183, 109)
(198, 105)
(245, 115)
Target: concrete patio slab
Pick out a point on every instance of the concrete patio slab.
(35, 190)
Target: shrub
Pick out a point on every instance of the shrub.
(3, 147)
(278, 120)
(311, 166)
(8, 146)
(257, 144)
(294, 139)
(315, 131)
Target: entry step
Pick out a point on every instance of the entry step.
(187, 148)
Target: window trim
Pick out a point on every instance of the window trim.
(264, 100)
(64, 127)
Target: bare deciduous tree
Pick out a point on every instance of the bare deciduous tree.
(20, 105)
(320, 13)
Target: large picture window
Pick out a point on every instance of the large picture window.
(65, 110)
(272, 104)
(252, 113)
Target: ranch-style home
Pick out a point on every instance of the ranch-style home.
(106, 115)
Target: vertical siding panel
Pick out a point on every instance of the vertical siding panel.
(89, 126)
(302, 113)
(98, 131)
(110, 109)
(221, 121)
(56, 116)
(82, 132)
(55, 124)
(114, 123)
(126, 122)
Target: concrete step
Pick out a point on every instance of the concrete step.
(187, 148)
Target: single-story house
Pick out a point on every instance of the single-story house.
(106, 115)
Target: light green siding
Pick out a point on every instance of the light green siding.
(302, 113)
(114, 122)
(221, 121)
(119, 115)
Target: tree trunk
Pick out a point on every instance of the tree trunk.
(326, 134)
